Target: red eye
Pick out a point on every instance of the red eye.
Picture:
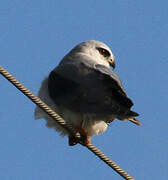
(103, 52)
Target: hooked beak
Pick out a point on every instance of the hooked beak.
(112, 62)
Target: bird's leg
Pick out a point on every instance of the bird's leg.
(85, 139)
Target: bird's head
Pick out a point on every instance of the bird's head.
(97, 51)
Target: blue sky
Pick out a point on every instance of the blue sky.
(34, 36)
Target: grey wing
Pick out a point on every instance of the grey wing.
(86, 89)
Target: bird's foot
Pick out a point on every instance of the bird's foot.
(72, 140)
(84, 140)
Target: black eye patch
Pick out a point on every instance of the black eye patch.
(103, 52)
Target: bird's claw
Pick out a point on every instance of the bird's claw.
(84, 139)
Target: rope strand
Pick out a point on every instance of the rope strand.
(62, 122)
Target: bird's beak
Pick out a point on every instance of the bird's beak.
(112, 62)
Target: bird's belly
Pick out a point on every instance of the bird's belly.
(91, 123)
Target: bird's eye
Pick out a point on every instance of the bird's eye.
(103, 52)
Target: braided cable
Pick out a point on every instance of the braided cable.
(109, 162)
(62, 122)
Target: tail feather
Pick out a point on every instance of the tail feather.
(135, 121)
(131, 117)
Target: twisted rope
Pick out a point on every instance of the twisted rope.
(65, 125)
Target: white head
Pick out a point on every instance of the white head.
(95, 50)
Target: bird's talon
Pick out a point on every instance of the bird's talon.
(72, 141)
(84, 139)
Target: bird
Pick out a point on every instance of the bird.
(86, 92)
